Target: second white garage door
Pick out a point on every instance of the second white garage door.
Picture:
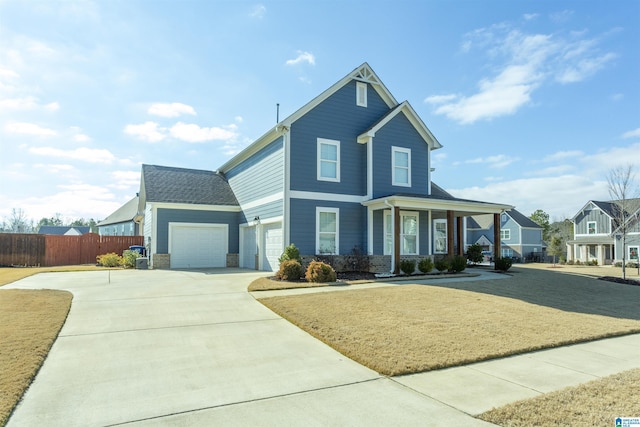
(272, 244)
(198, 245)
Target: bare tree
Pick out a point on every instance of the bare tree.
(18, 222)
(624, 193)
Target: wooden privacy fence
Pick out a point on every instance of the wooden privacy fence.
(49, 250)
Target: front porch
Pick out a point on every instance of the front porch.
(411, 226)
(599, 249)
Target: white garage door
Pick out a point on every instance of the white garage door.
(272, 239)
(248, 250)
(198, 245)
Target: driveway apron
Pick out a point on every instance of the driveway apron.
(161, 347)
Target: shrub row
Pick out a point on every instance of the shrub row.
(318, 272)
(127, 260)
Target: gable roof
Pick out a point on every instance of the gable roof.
(609, 207)
(522, 220)
(411, 115)
(61, 230)
(363, 73)
(191, 186)
(124, 213)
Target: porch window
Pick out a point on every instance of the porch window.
(440, 236)
(633, 253)
(592, 227)
(408, 233)
(506, 252)
(328, 160)
(401, 166)
(505, 234)
(327, 231)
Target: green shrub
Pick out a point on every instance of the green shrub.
(129, 258)
(290, 253)
(618, 264)
(457, 264)
(577, 262)
(319, 272)
(570, 262)
(407, 266)
(504, 263)
(442, 264)
(631, 264)
(474, 253)
(109, 260)
(425, 265)
(593, 262)
(290, 270)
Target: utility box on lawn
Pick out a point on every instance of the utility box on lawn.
(142, 263)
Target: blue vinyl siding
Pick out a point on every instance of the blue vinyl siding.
(352, 225)
(165, 216)
(268, 210)
(399, 133)
(337, 118)
(259, 176)
(602, 221)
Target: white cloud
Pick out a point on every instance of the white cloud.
(632, 134)
(497, 161)
(530, 16)
(302, 57)
(258, 11)
(173, 109)
(147, 131)
(562, 155)
(26, 103)
(238, 119)
(195, 133)
(89, 155)
(522, 63)
(24, 128)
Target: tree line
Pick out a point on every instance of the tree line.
(19, 222)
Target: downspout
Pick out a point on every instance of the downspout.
(393, 233)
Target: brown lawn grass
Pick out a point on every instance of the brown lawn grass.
(413, 328)
(29, 324)
(596, 403)
(12, 274)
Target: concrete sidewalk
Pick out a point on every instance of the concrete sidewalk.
(194, 348)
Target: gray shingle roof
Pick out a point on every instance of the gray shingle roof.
(61, 230)
(125, 213)
(192, 186)
(522, 220)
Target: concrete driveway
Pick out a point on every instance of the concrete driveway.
(161, 347)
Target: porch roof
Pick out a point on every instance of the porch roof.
(595, 240)
(460, 207)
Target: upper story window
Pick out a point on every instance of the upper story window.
(505, 234)
(361, 94)
(592, 227)
(328, 160)
(327, 231)
(401, 166)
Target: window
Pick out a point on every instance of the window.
(401, 166)
(408, 233)
(328, 160)
(505, 234)
(633, 253)
(440, 235)
(361, 94)
(592, 227)
(506, 252)
(327, 231)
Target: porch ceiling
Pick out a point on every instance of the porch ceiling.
(460, 207)
(599, 240)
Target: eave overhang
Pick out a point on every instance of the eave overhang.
(459, 207)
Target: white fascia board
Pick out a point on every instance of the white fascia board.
(192, 207)
(271, 135)
(262, 201)
(330, 197)
(472, 208)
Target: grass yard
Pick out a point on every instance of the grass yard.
(29, 324)
(596, 403)
(413, 328)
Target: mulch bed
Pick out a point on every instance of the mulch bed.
(620, 280)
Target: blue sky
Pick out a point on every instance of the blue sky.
(533, 101)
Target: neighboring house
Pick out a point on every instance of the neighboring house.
(350, 169)
(122, 222)
(63, 230)
(520, 236)
(597, 235)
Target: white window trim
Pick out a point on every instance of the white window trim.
(361, 88)
(506, 252)
(331, 210)
(388, 216)
(505, 234)
(395, 150)
(446, 240)
(595, 227)
(319, 161)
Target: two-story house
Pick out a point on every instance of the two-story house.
(352, 168)
(520, 236)
(122, 222)
(597, 236)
